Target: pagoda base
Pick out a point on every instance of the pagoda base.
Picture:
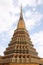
(11, 60)
(22, 64)
(19, 64)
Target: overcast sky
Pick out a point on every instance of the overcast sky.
(33, 17)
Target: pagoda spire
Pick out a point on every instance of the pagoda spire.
(21, 14)
(21, 23)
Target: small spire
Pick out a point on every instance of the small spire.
(21, 15)
(21, 23)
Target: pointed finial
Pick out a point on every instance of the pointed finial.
(21, 15)
(21, 7)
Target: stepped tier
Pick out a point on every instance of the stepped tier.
(21, 41)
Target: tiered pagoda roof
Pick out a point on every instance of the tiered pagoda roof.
(20, 49)
(21, 41)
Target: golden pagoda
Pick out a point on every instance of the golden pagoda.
(20, 50)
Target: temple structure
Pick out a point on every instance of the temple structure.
(20, 50)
